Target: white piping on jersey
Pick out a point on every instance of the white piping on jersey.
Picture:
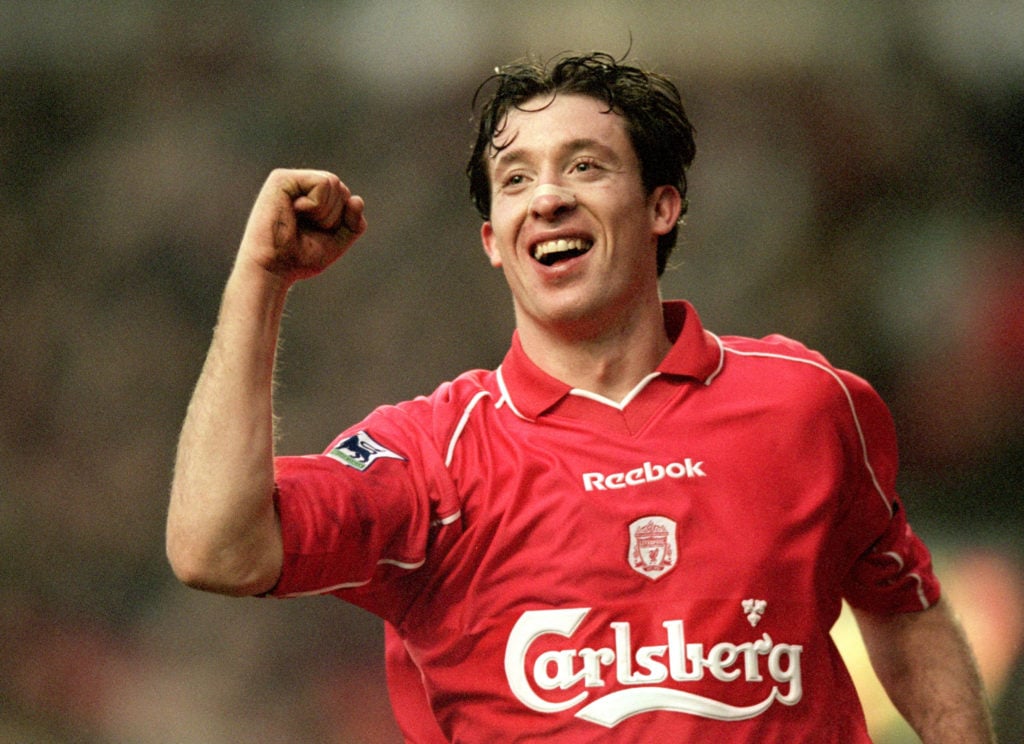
(721, 359)
(446, 520)
(354, 584)
(463, 420)
(913, 574)
(896, 557)
(608, 401)
(401, 564)
(450, 452)
(506, 398)
(925, 604)
(849, 401)
(326, 589)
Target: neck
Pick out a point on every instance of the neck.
(609, 361)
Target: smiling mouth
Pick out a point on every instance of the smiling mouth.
(551, 252)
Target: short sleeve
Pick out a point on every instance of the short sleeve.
(360, 518)
(895, 575)
(892, 571)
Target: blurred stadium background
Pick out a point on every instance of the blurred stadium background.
(858, 186)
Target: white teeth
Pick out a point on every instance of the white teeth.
(560, 246)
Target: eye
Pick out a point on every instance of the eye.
(513, 181)
(586, 165)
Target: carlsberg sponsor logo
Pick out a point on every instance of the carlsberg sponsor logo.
(646, 473)
(642, 669)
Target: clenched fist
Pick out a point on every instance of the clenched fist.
(302, 221)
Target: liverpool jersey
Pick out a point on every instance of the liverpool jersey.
(556, 566)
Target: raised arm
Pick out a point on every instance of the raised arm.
(925, 665)
(222, 530)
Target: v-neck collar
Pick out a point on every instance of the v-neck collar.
(695, 353)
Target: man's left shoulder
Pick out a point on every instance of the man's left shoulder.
(774, 345)
(784, 361)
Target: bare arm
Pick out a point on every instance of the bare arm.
(926, 666)
(222, 529)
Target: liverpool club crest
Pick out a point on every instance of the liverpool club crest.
(652, 546)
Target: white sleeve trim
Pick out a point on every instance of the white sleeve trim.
(354, 584)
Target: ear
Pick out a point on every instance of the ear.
(490, 248)
(666, 205)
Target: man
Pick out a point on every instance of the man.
(632, 530)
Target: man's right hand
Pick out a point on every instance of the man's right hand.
(302, 221)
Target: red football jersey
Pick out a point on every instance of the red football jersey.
(556, 566)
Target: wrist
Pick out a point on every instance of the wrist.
(253, 302)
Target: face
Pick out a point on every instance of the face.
(571, 225)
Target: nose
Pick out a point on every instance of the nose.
(550, 201)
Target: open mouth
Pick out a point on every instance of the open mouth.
(551, 252)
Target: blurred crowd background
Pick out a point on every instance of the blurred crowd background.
(858, 186)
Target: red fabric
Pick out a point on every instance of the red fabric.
(567, 570)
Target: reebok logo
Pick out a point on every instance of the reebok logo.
(646, 473)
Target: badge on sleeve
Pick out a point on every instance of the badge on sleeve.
(360, 451)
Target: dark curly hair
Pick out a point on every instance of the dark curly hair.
(649, 102)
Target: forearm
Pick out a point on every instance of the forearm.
(926, 666)
(222, 531)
